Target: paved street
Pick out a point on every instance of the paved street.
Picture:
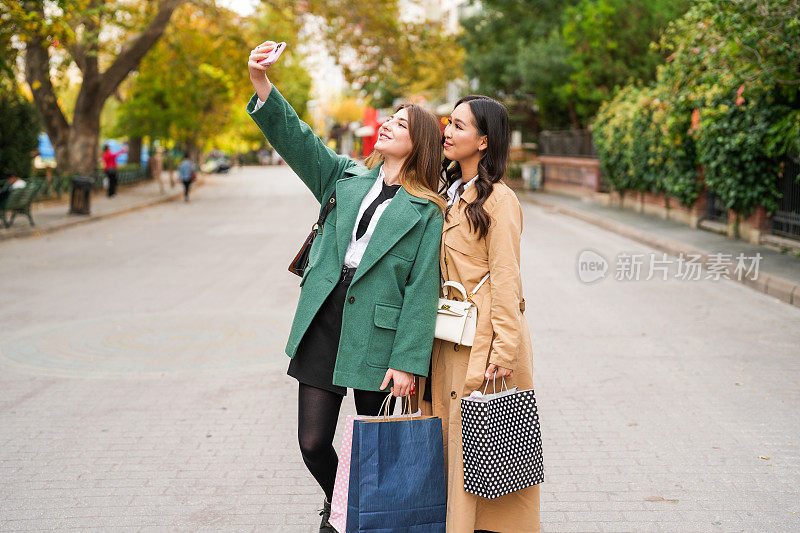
(143, 386)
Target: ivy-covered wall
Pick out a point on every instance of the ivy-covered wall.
(727, 100)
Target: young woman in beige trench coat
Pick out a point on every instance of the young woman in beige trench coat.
(481, 235)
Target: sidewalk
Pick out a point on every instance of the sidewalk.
(778, 273)
(143, 380)
(54, 215)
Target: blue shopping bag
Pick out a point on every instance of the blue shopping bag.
(397, 480)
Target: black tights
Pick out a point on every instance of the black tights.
(317, 414)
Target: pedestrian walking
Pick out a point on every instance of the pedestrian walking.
(156, 163)
(367, 308)
(481, 236)
(187, 171)
(110, 167)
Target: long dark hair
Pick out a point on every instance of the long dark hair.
(419, 174)
(491, 119)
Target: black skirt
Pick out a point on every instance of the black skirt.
(315, 359)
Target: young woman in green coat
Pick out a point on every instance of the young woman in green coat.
(367, 309)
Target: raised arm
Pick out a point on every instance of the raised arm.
(316, 164)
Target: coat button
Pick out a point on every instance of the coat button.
(456, 347)
(453, 395)
(351, 299)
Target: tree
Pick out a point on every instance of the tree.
(726, 100)
(8, 52)
(76, 33)
(186, 81)
(610, 44)
(514, 51)
(736, 63)
(19, 131)
(554, 62)
(209, 107)
(384, 57)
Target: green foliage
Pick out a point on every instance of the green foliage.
(192, 86)
(185, 81)
(381, 55)
(19, 132)
(644, 145)
(731, 142)
(96, 28)
(610, 45)
(561, 60)
(292, 79)
(515, 52)
(727, 100)
(8, 54)
(614, 140)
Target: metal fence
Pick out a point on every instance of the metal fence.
(59, 183)
(567, 143)
(786, 220)
(126, 175)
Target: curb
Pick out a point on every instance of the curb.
(37, 231)
(775, 286)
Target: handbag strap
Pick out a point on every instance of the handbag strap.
(477, 287)
(462, 290)
(323, 214)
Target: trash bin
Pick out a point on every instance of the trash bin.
(79, 203)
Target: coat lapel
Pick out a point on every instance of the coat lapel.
(397, 220)
(350, 192)
(456, 216)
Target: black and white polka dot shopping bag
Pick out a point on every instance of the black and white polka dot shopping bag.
(502, 442)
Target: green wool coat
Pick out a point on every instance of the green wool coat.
(390, 310)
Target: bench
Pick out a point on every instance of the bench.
(18, 201)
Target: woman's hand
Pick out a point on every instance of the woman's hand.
(403, 382)
(258, 73)
(493, 371)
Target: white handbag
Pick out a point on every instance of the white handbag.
(456, 321)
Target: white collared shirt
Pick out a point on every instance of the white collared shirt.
(357, 247)
(452, 192)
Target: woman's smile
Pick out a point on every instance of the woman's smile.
(394, 140)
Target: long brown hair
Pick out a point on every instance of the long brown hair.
(419, 174)
(491, 119)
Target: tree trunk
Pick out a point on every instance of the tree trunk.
(194, 152)
(575, 123)
(84, 135)
(135, 151)
(76, 145)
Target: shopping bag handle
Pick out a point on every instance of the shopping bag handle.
(386, 405)
(494, 383)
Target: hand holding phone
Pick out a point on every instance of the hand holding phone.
(274, 55)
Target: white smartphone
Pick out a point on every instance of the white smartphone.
(274, 55)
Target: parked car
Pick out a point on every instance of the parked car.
(218, 165)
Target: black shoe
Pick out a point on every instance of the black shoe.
(325, 513)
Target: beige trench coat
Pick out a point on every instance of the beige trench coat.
(502, 338)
